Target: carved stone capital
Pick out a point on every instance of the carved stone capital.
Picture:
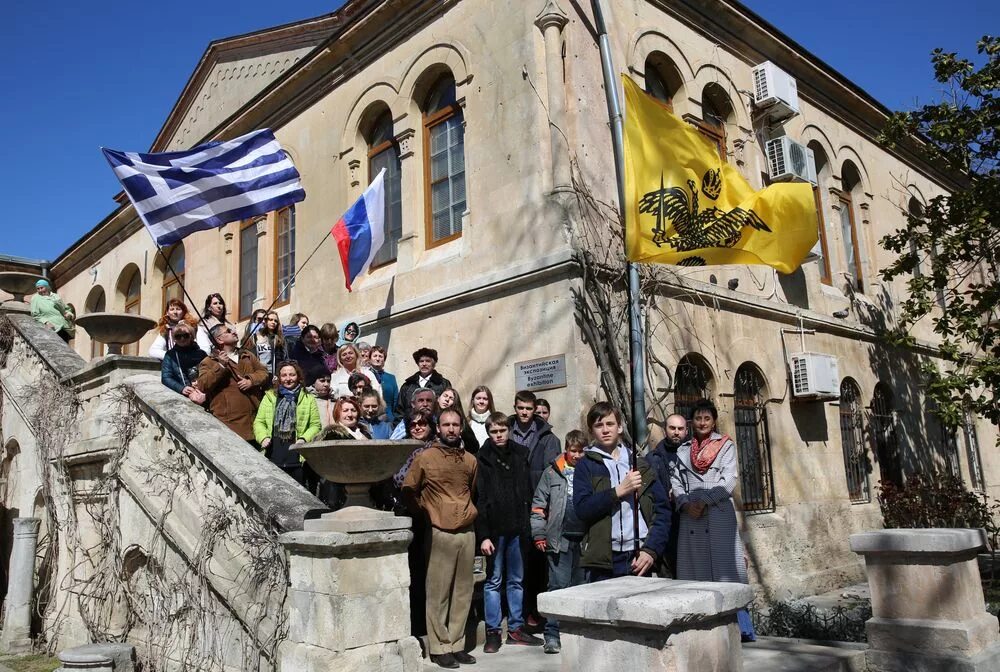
(405, 141)
(551, 15)
(354, 165)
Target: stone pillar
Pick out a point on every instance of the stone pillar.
(16, 634)
(348, 597)
(634, 623)
(551, 21)
(928, 609)
(412, 177)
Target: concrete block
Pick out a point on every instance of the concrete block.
(925, 541)
(340, 622)
(943, 637)
(987, 660)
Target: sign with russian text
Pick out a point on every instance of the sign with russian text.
(545, 373)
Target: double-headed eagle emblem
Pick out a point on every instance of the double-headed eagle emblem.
(696, 229)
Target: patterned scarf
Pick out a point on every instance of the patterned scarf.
(703, 454)
(284, 414)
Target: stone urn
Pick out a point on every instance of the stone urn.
(358, 465)
(115, 329)
(19, 284)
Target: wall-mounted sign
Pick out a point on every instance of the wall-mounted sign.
(545, 373)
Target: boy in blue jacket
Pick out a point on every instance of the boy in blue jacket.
(606, 489)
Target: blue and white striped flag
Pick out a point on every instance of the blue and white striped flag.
(178, 193)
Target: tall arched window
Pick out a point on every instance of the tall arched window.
(173, 285)
(852, 439)
(883, 427)
(915, 210)
(753, 441)
(822, 173)
(692, 381)
(850, 180)
(133, 305)
(716, 109)
(978, 482)
(444, 165)
(383, 152)
(96, 303)
(662, 78)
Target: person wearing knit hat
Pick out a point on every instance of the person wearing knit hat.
(48, 309)
(426, 377)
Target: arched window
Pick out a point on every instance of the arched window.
(715, 112)
(662, 78)
(753, 441)
(444, 165)
(822, 173)
(916, 211)
(383, 152)
(173, 284)
(692, 381)
(852, 438)
(883, 428)
(850, 179)
(978, 482)
(96, 303)
(133, 305)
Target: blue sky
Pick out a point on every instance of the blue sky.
(82, 75)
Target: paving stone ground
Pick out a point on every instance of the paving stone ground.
(769, 654)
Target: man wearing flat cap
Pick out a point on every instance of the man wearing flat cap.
(426, 377)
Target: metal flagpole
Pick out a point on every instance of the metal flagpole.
(635, 337)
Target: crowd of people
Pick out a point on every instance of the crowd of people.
(546, 514)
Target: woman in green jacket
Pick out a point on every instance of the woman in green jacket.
(288, 416)
(48, 309)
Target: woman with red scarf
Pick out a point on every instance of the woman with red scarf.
(709, 547)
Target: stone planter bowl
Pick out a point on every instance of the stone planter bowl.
(19, 284)
(357, 464)
(115, 329)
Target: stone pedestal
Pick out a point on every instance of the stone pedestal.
(928, 610)
(94, 662)
(16, 634)
(634, 623)
(348, 600)
(116, 656)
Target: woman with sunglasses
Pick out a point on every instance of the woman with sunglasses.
(254, 323)
(179, 368)
(268, 342)
(176, 312)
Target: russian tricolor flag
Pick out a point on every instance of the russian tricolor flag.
(361, 232)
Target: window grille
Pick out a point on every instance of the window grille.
(972, 451)
(883, 428)
(852, 437)
(753, 442)
(691, 383)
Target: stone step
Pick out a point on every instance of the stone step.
(777, 654)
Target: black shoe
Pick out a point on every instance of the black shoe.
(519, 636)
(492, 644)
(445, 660)
(464, 658)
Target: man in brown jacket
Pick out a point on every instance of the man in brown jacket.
(233, 380)
(441, 483)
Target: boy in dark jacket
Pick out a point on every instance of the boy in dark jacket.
(503, 498)
(556, 528)
(605, 489)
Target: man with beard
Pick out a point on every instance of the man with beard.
(663, 459)
(441, 484)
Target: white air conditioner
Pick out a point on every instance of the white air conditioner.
(775, 90)
(815, 375)
(788, 161)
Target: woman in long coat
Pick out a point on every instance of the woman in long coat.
(709, 546)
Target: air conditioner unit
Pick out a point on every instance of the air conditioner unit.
(774, 90)
(788, 161)
(815, 375)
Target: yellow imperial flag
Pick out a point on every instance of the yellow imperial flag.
(687, 207)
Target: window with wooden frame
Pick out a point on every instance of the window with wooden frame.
(383, 152)
(133, 305)
(173, 283)
(444, 163)
(284, 255)
(715, 111)
(96, 303)
(248, 267)
(849, 237)
(662, 79)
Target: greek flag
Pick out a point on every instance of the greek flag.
(178, 193)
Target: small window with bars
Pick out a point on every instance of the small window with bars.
(753, 441)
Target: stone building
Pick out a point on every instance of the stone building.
(490, 119)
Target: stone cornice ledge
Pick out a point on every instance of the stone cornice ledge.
(550, 266)
(242, 468)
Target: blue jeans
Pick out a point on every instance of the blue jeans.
(564, 571)
(506, 560)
